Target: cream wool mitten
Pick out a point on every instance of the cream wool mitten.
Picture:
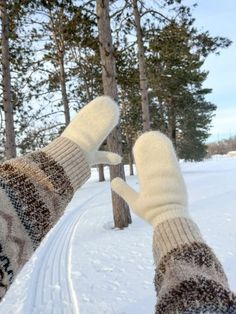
(162, 193)
(91, 126)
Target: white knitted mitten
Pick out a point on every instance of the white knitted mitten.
(91, 126)
(162, 193)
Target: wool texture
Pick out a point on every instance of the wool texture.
(34, 191)
(189, 278)
(162, 193)
(91, 126)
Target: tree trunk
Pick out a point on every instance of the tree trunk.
(63, 90)
(57, 32)
(172, 126)
(121, 212)
(142, 69)
(173, 134)
(10, 146)
(131, 158)
(131, 163)
(101, 176)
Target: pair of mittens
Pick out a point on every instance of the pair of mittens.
(162, 193)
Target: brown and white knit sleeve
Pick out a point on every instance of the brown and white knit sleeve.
(34, 191)
(188, 278)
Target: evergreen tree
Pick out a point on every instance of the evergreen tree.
(142, 66)
(177, 53)
(129, 94)
(10, 143)
(121, 212)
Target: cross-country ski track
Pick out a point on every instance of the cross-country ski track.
(84, 266)
(54, 292)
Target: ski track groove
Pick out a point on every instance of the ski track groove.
(52, 269)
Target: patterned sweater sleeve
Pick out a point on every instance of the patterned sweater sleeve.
(34, 191)
(188, 278)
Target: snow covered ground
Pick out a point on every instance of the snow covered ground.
(84, 266)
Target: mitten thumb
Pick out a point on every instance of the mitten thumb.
(125, 191)
(105, 158)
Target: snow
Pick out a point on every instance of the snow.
(85, 266)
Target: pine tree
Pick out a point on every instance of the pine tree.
(120, 209)
(129, 95)
(10, 144)
(177, 53)
(142, 66)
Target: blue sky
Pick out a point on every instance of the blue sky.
(219, 17)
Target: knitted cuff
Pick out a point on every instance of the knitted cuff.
(162, 214)
(71, 158)
(172, 234)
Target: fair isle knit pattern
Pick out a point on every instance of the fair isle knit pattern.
(34, 191)
(189, 278)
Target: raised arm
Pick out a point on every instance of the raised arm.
(35, 189)
(188, 277)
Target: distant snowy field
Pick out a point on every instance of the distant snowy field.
(84, 266)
